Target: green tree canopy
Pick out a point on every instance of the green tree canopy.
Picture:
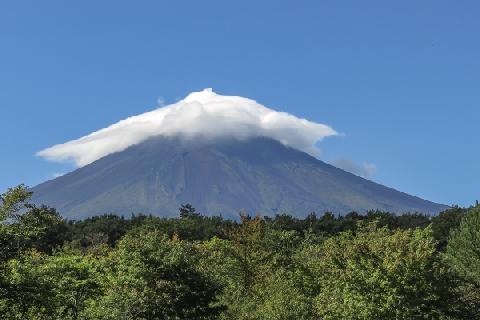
(149, 276)
(463, 250)
(377, 273)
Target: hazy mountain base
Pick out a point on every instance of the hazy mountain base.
(218, 177)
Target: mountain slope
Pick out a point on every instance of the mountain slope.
(217, 177)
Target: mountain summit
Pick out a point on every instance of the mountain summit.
(202, 113)
(222, 176)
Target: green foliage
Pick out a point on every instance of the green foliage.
(463, 250)
(254, 265)
(13, 201)
(279, 296)
(463, 256)
(373, 266)
(149, 276)
(23, 225)
(103, 229)
(377, 274)
(55, 286)
(188, 211)
(445, 222)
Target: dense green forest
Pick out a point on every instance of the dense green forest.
(372, 266)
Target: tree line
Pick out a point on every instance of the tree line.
(376, 265)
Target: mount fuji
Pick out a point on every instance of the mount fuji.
(222, 154)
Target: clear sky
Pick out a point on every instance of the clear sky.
(400, 79)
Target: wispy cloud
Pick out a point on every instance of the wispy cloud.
(57, 174)
(200, 113)
(161, 101)
(365, 169)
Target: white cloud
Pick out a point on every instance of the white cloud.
(161, 101)
(365, 169)
(200, 113)
(57, 174)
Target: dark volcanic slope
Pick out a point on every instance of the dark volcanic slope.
(257, 175)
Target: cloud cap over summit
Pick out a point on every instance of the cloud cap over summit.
(204, 113)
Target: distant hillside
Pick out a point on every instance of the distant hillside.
(218, 177)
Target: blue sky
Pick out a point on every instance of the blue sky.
(399, 79)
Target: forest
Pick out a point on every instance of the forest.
(376, 265)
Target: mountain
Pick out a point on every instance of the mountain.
(217, 176)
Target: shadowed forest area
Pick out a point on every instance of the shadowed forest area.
(373, 266)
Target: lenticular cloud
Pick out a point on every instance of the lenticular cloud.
(202, 113)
